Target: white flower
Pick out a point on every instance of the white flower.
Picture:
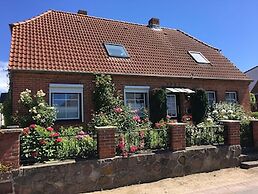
(215, 112)
(41, 104)
(209, 120)
(223, 111)
(40, 93)
(230, 111)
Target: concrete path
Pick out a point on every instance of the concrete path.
(226, 181)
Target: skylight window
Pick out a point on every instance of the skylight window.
(198, 57)
(116, 50)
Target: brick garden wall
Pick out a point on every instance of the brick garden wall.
(35, 81)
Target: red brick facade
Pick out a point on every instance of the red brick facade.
(254, 125)
(20, 80)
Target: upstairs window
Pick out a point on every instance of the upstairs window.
(116, 50)
(198, 57)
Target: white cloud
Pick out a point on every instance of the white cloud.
(4, 80)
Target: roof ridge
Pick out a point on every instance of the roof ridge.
(251, 69)
(101, 18)
(31, 19)
(198, 40)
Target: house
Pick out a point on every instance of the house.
(60, 52)
(253, 86)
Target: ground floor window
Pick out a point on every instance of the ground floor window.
(171, 105)
(137, 98)
(231, 97)
(67, 99)
(211, 95)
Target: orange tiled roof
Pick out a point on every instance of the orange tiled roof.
(60, 41)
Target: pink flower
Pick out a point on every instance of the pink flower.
(26, 131)
(81, 133)
(141, 134)
(136, 118)
(54, 135)
(157, 125)
(42, 142)
(50, 129)
(168, 117)
(58, 140)
(133, 149)
(33, 126)
(118, 110)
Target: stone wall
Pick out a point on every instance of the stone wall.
(91, 175)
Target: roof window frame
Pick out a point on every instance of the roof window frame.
(198, 52)
(119, 45)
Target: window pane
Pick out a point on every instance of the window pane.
(116, 50)
(198, 57)
(58, 96)
(136, 101)
(67, 105)
(171, 105)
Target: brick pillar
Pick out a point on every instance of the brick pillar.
(106, 141)
(254, 125)
(232, 132)
(10, 147)
(177, 136)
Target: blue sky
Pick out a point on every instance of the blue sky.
(231, 25)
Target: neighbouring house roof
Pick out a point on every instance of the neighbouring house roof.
(253, 74)
(69, 42)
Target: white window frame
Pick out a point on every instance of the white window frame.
(231, 92)
(214, 94)
(137, 89)
(199, 53)
(175, 105)
(68, 89)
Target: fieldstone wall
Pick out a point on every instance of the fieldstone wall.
(91, 175)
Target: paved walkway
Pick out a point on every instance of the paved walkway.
(226, 181)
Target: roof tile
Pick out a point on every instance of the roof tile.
(60, 41)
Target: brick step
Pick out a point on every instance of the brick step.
(249, 164)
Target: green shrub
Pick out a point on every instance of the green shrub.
(199, 105)
(7, 110)
(253, 101)
(76, 144)
(105, 97)
(39, 144)
(113, 112)
(204, 134)
(158, 105)
(35, 110)
(255, 115)
(232, 111)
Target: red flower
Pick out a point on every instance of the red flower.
(42, 142)
(50, 129)
(54, 134)
(58, 140)
(133, 149)
(33, 126)
(26, 131)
